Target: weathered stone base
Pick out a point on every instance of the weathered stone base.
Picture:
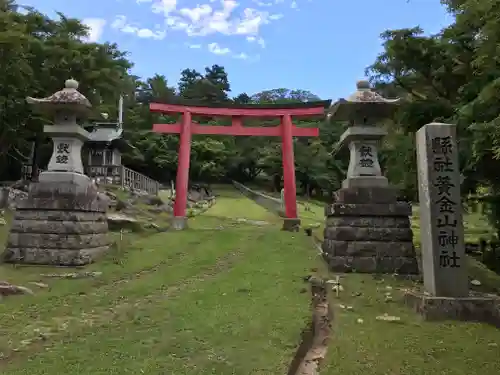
(368, 231)
(179, 223)
(59, 257)
(372, 264)
(476, 308)
(291, 225)
(61, 223)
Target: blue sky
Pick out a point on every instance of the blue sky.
(318, 45)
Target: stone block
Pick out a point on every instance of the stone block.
(369, 209)
(62, 204)
(379, 195)
(66, 177)
(291, 225)
(364, 182)
(372, 264)
(62, 257)
(475, 307)
(55, 215)
(59, 227)
(368, 248)
(64, 196)
(368, 222)
(179, 223)
(56, 241)
(51, 189)
(368, 234)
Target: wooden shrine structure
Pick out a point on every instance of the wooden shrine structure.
(286, 130)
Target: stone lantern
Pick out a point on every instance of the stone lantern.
(63, 220)
(68, 137)
(362, 110)
(367, 229)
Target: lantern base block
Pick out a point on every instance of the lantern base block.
(61, 223)
(365, 182)
(473, 308)
(368, 231)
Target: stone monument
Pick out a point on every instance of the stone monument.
(444, 262)
(367, 229)
(62, 221)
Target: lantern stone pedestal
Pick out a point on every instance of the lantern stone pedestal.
(367, 230)
(63, 221)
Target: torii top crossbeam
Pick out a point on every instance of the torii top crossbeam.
(238, 112)
(286, 130)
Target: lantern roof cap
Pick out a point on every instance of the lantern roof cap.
(364, 101)
(68, 99)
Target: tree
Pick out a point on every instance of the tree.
(40, 54)
(453, 76)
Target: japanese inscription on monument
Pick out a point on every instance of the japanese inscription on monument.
(446, 223)
(442, 240)
(62, 153)
(366, 156)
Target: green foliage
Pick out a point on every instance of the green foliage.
(453, 76)
(42, 52)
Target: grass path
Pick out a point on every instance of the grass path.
(192, 302)
(234, 206)
(361, 344)
(227, 301)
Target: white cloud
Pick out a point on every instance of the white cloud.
(241, 56)
(121, 24)
(275, 17)
(163, 6)
(207, 19)
(263, 3)
(218, 50)
(224, 17)
(260, 41)
(196, 14)
(294, 5)
(96, 28)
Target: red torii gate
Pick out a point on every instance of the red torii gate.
(286, 130)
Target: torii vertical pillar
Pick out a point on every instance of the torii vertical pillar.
(291, 222)
(179, 221)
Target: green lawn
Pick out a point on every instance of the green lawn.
(201, 301)
(364, 345)
(407, 347)
(224, 297)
